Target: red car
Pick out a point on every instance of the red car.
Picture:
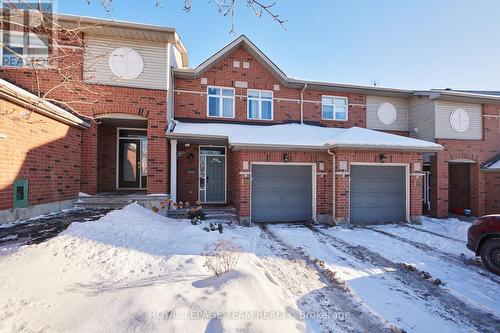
(483, 238)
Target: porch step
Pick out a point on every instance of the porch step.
(211, 214)
(119, 201)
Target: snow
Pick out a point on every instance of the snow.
(301, 136)
(82, 194)
(126, 271)
(135, 270)
(357, 136)
(495, 165)
(467, 284)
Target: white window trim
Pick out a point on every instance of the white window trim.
(260, 99)
(221, 104)
(25, 54)
(333, 97)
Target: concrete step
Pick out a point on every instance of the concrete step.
(119, 201)
(211, 213)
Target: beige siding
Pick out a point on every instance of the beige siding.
(421, 118)
(96, 68)
(372, 121)
(444, 129)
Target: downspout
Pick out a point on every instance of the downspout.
(333, 187)
(302, 103)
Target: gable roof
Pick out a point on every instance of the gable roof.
(244, 41)
(222, 53)
(16, 94)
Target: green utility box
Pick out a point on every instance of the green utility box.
(21, 193)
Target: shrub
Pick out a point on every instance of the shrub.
(221, 257)
(196, 213)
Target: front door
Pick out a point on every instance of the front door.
(129, 163)
(216, 170)
(212, 174)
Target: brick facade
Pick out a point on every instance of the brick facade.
(40, 149)
(239, 180)
(99, 100)
(482, 196)
(191, 100)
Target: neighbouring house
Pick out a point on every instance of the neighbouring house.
(237, 131)
(40, 151)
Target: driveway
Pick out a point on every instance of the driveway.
(415, 278)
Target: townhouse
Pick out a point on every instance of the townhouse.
(237, 131)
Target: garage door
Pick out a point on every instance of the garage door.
(281, 193)
(378, 194)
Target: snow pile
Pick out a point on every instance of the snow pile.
(301, 135)
(134, 270)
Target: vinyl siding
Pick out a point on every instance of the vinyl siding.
(421, 116)
(96, 68)
(444, 129)
(372, 121)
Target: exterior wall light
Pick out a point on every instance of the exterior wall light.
(285, 157)
(382, 158)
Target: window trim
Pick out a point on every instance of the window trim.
(25, 54)
(334, 117)
(260, 104)
(221, 113)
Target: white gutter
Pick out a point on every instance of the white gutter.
(333, 188)
(27, 99)
(302, 103)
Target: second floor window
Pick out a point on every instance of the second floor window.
(21, 49)
(260, 104)
(334, 108)
(221, 102)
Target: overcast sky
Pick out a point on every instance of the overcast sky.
(405, 44)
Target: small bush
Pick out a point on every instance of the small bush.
(221, 257)
(196, 213)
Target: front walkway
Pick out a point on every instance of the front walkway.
(39, 229)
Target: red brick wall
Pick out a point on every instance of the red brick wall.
(239, 192)
(286, 105)
(106, 159)
(492, 202)
(40, 149)
(187, 173)
(94, 100)
(476, 150)
(342, 182)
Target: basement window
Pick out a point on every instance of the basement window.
(334, 108)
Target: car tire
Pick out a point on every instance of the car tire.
(490, 255)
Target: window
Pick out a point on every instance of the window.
(24, 49)
(260, 104)
(220, 102)
(334, 108)
(459, 120)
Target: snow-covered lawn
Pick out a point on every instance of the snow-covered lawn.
(134, 270)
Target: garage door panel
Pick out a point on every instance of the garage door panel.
(369, 185)
(281, 193)
(281, 199)
(377, 194)
(387, 200)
